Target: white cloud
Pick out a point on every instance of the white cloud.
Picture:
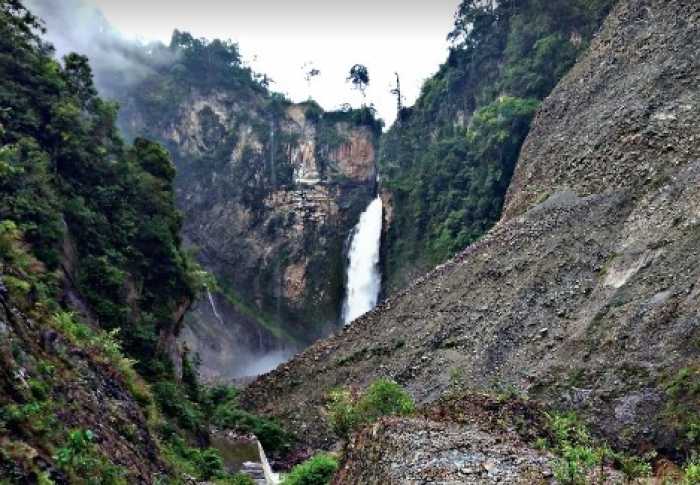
(278, 37)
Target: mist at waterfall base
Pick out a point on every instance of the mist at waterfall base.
(229, 347)
(363, 276)
(254, 363)
(233, 347)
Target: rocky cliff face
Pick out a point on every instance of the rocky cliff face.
(51, 385)
(586, 293)
(270, 192)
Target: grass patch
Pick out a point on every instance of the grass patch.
(580, 457)
(108, 345)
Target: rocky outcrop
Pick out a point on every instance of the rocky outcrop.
(461, 439)
(270, 192)
(422, 451)
(586, 293)
(468, 440)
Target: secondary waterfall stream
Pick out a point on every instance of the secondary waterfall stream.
(363, 276)
(214, 309)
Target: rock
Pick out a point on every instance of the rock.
(426, 451)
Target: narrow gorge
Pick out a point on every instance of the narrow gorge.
(270, 192)
(203, 281)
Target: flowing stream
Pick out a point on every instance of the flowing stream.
(363, 277)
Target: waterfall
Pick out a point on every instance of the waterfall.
(213, 307)
(363, 277)
(273, 171)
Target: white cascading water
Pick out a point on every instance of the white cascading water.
(364, 278)
(213, 307)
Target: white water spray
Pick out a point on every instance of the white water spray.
(364, 279)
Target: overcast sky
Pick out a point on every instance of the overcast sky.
(279, 37)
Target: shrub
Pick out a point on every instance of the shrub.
(313, 112)
(692, 472)
(218, 395)
(109, 345)
(79, 458)
(634, 467)
(578, 454)
(573, 444)
(683, 391)
(385, 398)
(210, 464)
(575, 464)
(205, 464)
(173, 401)
(318, 470)
(343, 412)
(382, 398)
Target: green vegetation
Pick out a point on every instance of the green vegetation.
(682, 408)
(271, 435)
(350, 411)
(204, 464)
(68, 180)
(218, 406)
(580, 458)
(83, 464)
(107, 345)
(364, 116)
(359, 77)
(318, 470)
(191, 63)
(571, 441)
(87, 216)
(194, 412)
(448, 160)
(692, 472)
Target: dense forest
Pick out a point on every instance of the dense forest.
(448, 160)
(90, 249)
(67, 175)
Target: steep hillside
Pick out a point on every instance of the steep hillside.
(93, 289)
(88, 244)
(447, 162)
(585, 294)
(270, 192)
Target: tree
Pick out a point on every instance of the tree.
(310, 72)
(399, 101)
(473, 18)
(78, 75)
(359, 77)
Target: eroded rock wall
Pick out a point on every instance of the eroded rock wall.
(270, 192)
